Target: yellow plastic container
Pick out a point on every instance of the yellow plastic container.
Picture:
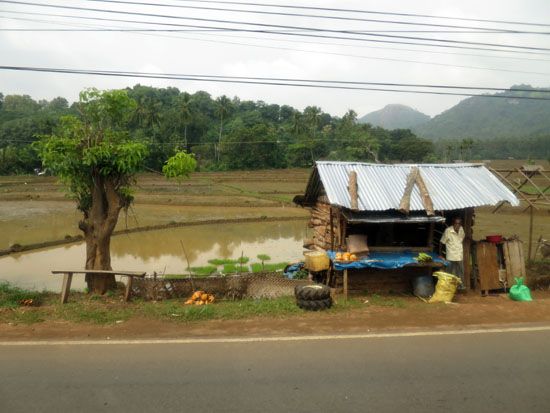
(316, 260)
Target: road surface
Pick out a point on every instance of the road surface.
(489, 372)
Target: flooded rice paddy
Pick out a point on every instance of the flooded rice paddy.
(161, 251)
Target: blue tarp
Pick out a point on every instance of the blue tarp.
(292, 269)
(383, 260)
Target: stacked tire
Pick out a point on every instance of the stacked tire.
(313, 297)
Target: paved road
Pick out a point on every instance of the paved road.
(496, 372)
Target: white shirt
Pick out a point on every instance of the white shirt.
(453, 243)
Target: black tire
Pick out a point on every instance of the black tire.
(312, 292)
(314, 305)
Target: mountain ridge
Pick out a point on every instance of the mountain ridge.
(395, 116)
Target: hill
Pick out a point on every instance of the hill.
(395, 117)
(486, 118)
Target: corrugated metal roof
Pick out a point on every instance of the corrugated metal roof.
(380, 186)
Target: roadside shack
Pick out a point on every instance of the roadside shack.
(388, 214)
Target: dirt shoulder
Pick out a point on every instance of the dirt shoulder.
(368, 314)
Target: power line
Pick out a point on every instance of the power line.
(447, 42)
(281, 40)
(332, 17)
(286, 6)
(274, 82)
(263, 46)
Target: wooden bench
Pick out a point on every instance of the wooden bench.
(68, 278)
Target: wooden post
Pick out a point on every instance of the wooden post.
(345, 284)
(425, 195)
(405, 203)
(468, 215)
(352, 188)
(431, 236)
(331, 230)
(67, 279)
(128, 291)
(530, 233)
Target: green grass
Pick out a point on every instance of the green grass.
(258, 267)
(202, 271)
(100, 313)
(224, 261)
(234, 268)
(531, 190)
(104, 310)
(263, 257)
(386, 301)
(11, 296)
(232, 310)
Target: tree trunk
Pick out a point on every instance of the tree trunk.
(98, 225)
(98, 257)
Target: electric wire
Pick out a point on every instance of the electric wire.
(286, 6)
(448, 42)
(302, 41)
(275, 82)
(307, 51)
(483, 29)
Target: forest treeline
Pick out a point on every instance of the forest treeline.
(225, 134)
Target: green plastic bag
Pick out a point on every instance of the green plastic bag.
(520, 292)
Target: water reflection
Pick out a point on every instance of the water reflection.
(161, 251)
(27, 222)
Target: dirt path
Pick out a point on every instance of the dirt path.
(468, 311)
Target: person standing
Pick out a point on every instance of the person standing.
(453, 239)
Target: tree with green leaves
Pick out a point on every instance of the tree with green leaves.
(95, 158)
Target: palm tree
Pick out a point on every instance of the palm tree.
(312, 114)
(223, 108)
(185, 113)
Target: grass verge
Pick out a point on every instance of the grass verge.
(104, 310)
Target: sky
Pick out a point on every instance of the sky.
(275, 55)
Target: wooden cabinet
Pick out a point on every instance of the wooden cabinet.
(498, 264)
(487, 266)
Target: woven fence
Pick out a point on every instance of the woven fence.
(228, 287)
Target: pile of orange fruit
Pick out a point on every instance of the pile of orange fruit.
(345, 256)
(200, 298)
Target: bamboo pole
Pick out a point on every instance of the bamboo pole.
(530, 232)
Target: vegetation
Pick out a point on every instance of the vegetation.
(223, 133)
(96, 159)
(110, 309)
(229, 134)
(12, 297)
(486, 118)
(260, 267)
(201, 271)
(395, 117)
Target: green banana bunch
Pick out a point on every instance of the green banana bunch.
(423, 257)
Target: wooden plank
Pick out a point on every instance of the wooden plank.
(66, 288)
(514, 260)
(134, 273)
(425, 195)
(352, 188)
(487, 265)
(405, 203)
